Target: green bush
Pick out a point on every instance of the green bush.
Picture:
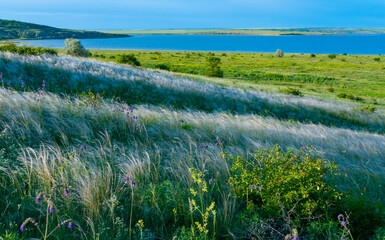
(162, 66)
(128, 59)
(332, 56)
(73, 47)
(292, 91)
(351, 97)
(279, 182)
(377, 59)
(214, 66)
(25, 50)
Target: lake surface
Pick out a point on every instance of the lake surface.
(350, 44)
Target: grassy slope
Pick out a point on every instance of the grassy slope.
(151, 145)
(21, 30)
(261, 31)
(354, 74)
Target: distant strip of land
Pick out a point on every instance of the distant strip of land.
(255, 31)
(15, 30)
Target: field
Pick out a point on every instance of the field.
(110, 151)
(315, 76)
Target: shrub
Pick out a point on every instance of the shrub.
(292, 91)
(162, 66)
(330, 89)
(128, 59)
(332, 56)
(279, 182)
(351, 97)
(73, 47)
(214, 67)
(342, 95)
(26, 50)
(377, 59)
(279, 53)
(312, 55)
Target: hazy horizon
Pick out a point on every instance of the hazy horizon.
(183, 14)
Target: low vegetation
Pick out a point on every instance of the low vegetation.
(313, 76)
(25, 50)
(96, 150)
(73, 47)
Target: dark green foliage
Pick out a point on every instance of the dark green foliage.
(332, 56)
(351, 97)
(292, 91)
(379, 234)
(214, 66)
(312, 55)
(302, 78)
(26, 50)
(279, 181)
(365, 216)
(377, 59)
(128, 59)
(162, 66)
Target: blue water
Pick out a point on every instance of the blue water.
(338, 44)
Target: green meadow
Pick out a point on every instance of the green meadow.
(315, 75)
(288, 147)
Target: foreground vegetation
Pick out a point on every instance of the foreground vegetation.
(320, 76)
(107, 151)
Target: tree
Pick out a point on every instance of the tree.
(73, 47)
(214, 65)
(279, 53)
(128, 59)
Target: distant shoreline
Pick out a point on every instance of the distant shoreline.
(254, 32)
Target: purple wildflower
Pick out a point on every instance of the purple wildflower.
(84, 147)
(260, 188)
(343, 223)
(339, 217)
(127, 179)
(51, 209)
(295, 238)
(21, 228)
(211, 180)
(133, 183)
(65, 192)
(251, 187)
(70, 225)
(37, 199)
(181, 121)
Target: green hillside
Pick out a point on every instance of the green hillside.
(21, 30)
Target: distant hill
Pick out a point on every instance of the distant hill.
(22, 30)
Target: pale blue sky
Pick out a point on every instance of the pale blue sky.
(168, 14)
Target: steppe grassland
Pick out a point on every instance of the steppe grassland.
(158, 133)
(359, 75)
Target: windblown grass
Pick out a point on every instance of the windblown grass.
(160, 127)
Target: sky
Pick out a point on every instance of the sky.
(190, 14)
